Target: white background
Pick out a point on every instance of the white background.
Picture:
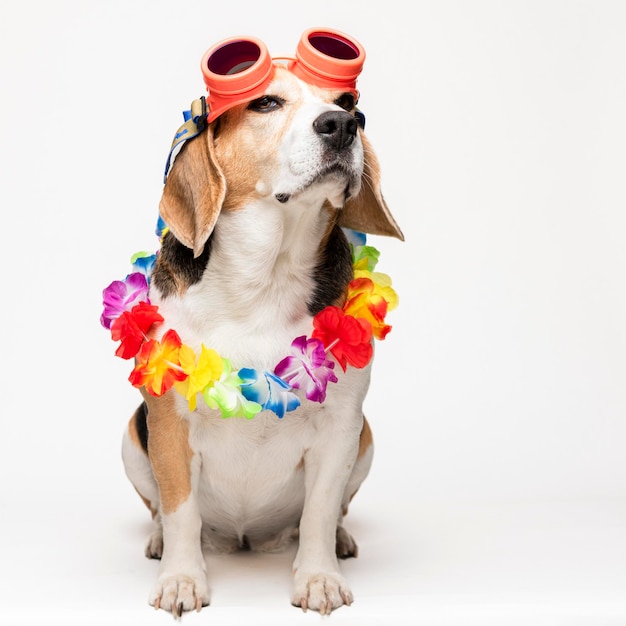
(498, 404)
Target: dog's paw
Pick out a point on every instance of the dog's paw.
(178, 594)
(321, 592)
(154, 544)
(346, 546)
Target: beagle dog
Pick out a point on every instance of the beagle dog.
(256, 206)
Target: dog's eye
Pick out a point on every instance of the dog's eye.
(266, 104)
(346, 101)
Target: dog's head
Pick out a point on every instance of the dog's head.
(297, 145)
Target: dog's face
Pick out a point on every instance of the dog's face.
(298, 145)
(295, 140)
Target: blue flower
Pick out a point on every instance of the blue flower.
(355, 237)
(143, 262)
(161, 228)
(270, 391)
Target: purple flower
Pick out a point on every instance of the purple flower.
(307, 368)
(123, 295)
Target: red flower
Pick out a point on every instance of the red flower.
(158, 364)
(348, 338)
(131, 328)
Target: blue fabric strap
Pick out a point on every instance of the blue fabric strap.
(195, 123)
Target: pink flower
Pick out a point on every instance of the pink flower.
(123, 295)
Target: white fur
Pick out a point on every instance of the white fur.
(301, 151)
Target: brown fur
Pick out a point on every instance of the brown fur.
(169, 451)
(366, 439)
(194, 182)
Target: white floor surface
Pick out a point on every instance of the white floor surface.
(551, 563)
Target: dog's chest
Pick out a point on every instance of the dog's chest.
(251, 474)
(250, 331)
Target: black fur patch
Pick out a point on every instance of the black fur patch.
(176, 269)
(141, 424)
(333, 272)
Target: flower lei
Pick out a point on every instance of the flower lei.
(346, 333)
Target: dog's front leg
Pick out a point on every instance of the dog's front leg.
(328, 464)
(182, 583)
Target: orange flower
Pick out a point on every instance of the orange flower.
(158, 364)
(366, 303)
(382, 284)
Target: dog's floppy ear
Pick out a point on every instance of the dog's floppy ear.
(367, 212)
(194, 192)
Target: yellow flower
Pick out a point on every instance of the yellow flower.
(201, 374)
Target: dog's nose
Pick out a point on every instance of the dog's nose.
(337, 128)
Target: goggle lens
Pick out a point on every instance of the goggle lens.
(233, 57)
(334, 46)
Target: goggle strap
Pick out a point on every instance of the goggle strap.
(195, 123)
(360, 118)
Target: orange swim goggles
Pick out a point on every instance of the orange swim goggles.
(239, 69)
